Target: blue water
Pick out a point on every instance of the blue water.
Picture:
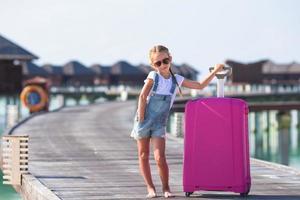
(266, 140)
(7, 192)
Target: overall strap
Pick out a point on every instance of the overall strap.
(155, 85)
(172, 90)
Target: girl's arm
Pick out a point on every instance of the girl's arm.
(200, 85)
(143, 99)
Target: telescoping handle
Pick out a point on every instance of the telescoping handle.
(221, 79)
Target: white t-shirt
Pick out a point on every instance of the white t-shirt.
(164, 85)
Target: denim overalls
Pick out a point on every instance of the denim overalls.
(156, 114)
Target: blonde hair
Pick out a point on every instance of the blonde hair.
(163, 49)
(158, 49)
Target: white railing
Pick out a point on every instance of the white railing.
(210, 90)
(15, 158)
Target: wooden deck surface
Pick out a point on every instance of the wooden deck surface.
(86, 153)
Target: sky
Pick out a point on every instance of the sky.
(200, 33)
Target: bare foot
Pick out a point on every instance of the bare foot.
(151, 193)
(168, 194)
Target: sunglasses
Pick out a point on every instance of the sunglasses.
(164, 61)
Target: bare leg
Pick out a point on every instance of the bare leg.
(143, 151)
(160, 158)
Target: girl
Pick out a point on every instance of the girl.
(155, 101)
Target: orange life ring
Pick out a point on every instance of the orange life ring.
(34, 89)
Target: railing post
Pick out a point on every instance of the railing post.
(61, 100)
(193, 92)
(258, 135)
(15, 158)
(124, 95)
(284, 127)
(177, 125)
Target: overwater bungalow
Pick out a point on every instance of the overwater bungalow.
(55, 74)
(124, 73)
(188, 72)
(281, 73)
(102, 74)
(185, 70)
(264, 72)
(31, 70)
(12, 58)
(145, 69)
(76, 74)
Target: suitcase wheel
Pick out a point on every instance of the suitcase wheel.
(187, 194)
(245, 194)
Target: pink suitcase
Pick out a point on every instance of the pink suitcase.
(216, 147)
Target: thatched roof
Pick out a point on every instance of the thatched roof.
(53, 69)
(12, 51)
(145, 68)
(30, 68)
(273, 68)
(76, 68)
(187, 69)
(100, 70)
(121, 68)
(124, 68)
(264, 71)
(246, 72)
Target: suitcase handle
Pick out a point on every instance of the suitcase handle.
(221, 75)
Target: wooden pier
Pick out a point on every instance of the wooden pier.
(85, 152)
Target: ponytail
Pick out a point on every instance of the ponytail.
(180, 92)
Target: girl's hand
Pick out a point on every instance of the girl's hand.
(218, 67)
